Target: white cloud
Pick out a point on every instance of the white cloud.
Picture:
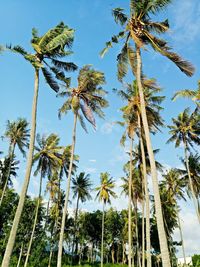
(92, 160)
(90, 170)
(187, 21)
(16, 185)
(107, 128)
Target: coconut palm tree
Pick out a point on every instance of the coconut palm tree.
(81, 187)
(140, 29)
(48, 160)
(194, 166)
(174, 186)
(132, 112)
(85, 100)
(104, 194)
(18, 134)
(186, 131)
(194, 95)
(47, 47)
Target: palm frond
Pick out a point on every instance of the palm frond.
(119, 16)
(67, 66)
(88, 114)
(50, 80)
(81, 120)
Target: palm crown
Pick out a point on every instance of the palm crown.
(87, 97)
(47, 49)
(18, 133)
(140, 28)
(81, 186)
(185, 129)
(105, 189)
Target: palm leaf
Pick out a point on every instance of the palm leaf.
(67, 66)
(50, 80)
(119, 16)
(88, 114)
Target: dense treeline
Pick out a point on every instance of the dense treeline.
(40, 232)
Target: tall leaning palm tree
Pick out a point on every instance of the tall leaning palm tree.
(48, 160)
(18, 134)
(81, 187)
(186, 131)
(47, 49)
(104, 193)
(140, 29)
(85, 100)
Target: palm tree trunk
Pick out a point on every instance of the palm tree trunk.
(136, 233)
(75, 228)
(60, 245)
(143, 236)
(129, 205)
(190, 181)
(20, 255)
(50, 257)
(160, 224)
(11, 155)
(181, 235)
(102, 234)
(35, 222)
(144, 167)
(13, 232)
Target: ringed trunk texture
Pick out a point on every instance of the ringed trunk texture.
(13, 232)
(34, 224)
(60, 245)
(129, 205)
(190, 182)
(146, 191)
(102, 234)
(159, 216)
(11, 155)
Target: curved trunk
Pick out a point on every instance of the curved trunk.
(190, 181)
(60, 245)
(181, 235)
(50, 257)
(129, 205)
(20, 256)
(13, 232)
(102, 234)
(160, 224)
(144, 168)
(11, 155)
(34, 224)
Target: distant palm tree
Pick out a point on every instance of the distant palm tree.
(105, 192)
(186, 130)
(18, 134)
(87, 98)
(81, 187)
(194, 166)
(47, 47)
(174, 186)
(138, 27)
(48, 160)
(194, 95)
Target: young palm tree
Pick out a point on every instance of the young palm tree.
(87, 98)
(81, 187)
(105, 192)
(18, 134)
(48, 47)
(186, 130)
(140, 29)
(194, 95)
(48, 160)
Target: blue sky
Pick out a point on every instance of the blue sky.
(99, 151)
